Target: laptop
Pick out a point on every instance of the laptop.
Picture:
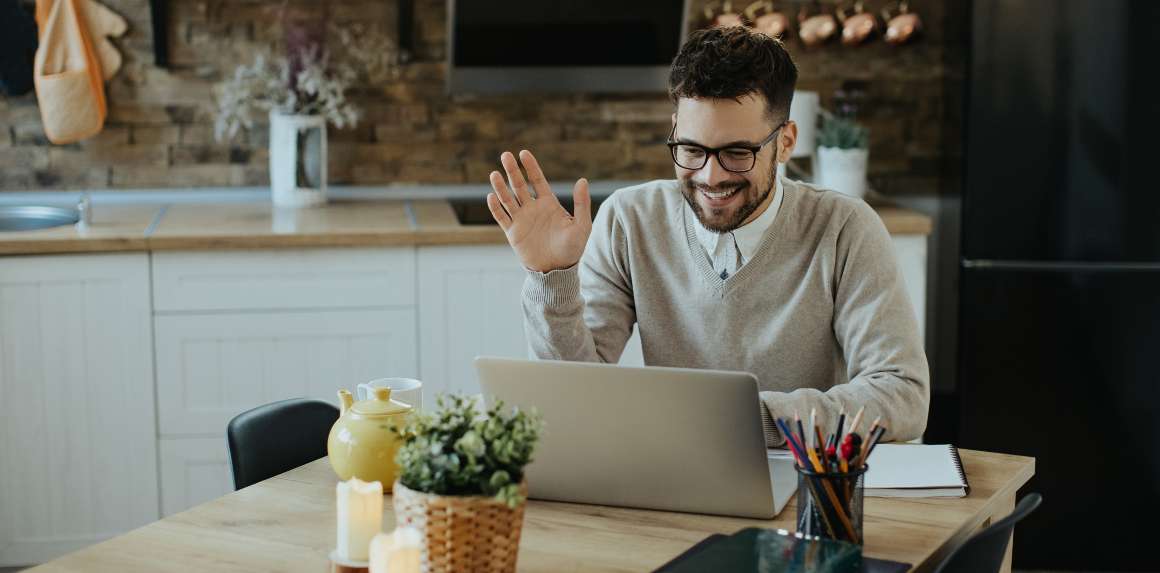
(674, 439)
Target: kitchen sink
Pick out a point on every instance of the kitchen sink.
(474, 211)
(32, 217)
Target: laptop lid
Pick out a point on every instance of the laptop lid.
(659, 438)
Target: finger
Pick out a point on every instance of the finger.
(497, 211)
(515, 178)
(536, 175)
(582, 201)
(503, 193)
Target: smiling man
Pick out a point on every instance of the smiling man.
(729, 266)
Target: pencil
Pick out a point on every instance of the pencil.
(814, 426)
(841, 421)
(822, 448)
(857, 420)
(869, 445)
(801, 431)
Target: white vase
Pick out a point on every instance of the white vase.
(804, 112)
(842, 170)
(297, 160)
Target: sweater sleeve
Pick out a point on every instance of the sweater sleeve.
(584, 313)
(875, 326)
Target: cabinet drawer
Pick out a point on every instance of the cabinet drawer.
(194, 471)
(212, 367)
(283, 279)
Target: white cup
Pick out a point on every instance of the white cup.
(406, 390)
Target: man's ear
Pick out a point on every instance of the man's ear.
(674, 119)
(786, 140)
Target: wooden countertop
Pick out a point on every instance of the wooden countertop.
(286, 523)
(234, 225)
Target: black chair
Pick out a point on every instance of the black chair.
(278, 437)
(984, 552)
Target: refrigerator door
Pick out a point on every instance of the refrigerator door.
(1062, 366)
(1062, 131)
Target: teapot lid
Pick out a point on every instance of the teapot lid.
(380, 404)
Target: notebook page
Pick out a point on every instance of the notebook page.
(913, 466)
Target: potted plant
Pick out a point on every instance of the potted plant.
(843, 151)
(301, 91)
(461, 483)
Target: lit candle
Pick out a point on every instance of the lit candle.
(397, 552)
(360, 517)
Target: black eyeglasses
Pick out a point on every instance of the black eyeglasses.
(735, 158)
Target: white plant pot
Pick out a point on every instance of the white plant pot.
(842, 170)
(297, 160)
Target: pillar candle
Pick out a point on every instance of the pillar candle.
(360, 517)
(398, 552)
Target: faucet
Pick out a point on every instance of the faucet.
(84, 212)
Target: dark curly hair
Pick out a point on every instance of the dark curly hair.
(731, 63)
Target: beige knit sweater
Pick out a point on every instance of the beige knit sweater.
(819, 314)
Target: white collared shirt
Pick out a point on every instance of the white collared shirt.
(747, 237)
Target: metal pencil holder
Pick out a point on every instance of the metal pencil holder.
(830, 504)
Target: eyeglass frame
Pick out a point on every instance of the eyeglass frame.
(715, 151)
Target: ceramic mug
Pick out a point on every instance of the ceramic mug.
(406, 390)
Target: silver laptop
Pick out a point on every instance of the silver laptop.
(659, 438)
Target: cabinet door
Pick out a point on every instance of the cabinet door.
(213, 367)
(470, 304)
(78, 459)
(911, 253)
(193, 471)
(469, 301)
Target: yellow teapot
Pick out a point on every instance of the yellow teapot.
(361, 443)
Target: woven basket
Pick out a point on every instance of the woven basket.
(462, 533)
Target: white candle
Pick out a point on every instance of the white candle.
(360, 517)
(397, 552)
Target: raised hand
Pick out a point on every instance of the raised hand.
(540, 230)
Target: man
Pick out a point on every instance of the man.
(729, 266)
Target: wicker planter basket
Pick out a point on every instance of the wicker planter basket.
(462, 533)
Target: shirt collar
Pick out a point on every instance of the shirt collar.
(748, 236)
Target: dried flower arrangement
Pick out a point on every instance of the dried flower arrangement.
(308, 75)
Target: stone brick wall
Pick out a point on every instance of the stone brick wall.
(160, 127)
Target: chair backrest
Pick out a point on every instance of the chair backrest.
(278, 437)
(984, 552)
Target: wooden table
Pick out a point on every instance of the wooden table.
(286, 523)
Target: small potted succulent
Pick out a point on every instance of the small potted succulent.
(843, 151)
(461, 483)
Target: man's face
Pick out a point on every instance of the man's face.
(724, 200)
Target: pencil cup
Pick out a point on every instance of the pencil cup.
(830, 504)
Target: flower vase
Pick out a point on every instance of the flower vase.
(297, 160)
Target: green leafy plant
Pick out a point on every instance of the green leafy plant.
(842, 133)
(457, 450)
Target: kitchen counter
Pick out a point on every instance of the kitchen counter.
(230, 221)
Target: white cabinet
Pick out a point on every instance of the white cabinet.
(470, 305)
(213, 367)
(238, 329)
(279, 279)
(78, 459)
(193, 471)
(911, 253)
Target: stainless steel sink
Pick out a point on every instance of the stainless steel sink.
(31, 217)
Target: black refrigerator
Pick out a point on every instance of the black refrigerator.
(1059, 322)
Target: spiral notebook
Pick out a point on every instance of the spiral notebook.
(913, 470)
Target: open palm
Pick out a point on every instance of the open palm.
(540, 230)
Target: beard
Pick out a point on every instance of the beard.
(721, 220)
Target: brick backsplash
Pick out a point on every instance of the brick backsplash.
(160, 126)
